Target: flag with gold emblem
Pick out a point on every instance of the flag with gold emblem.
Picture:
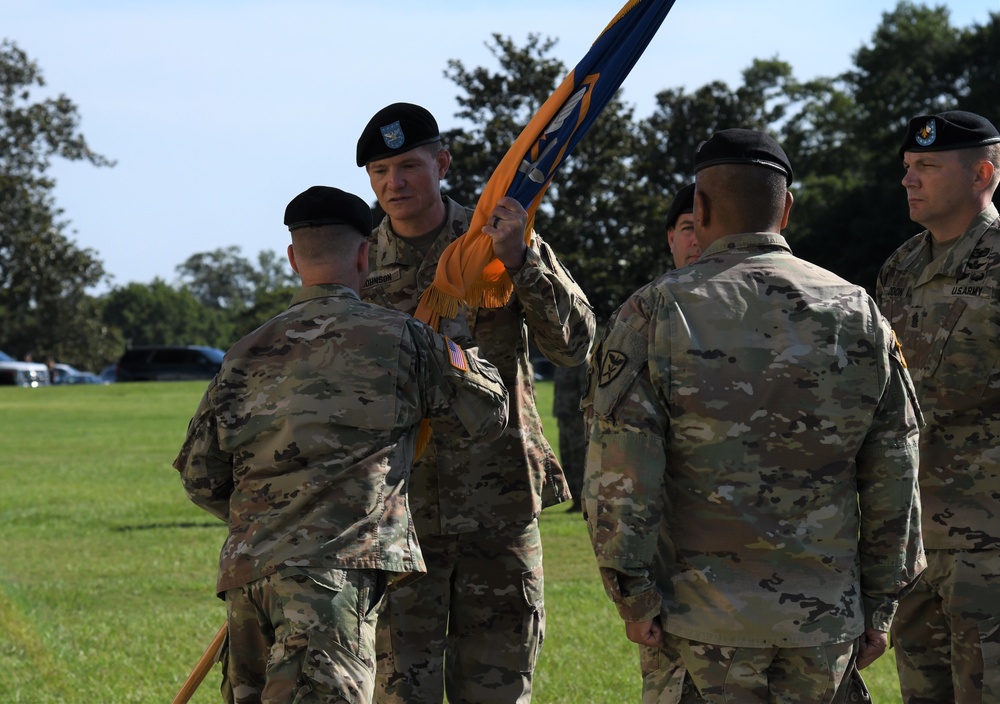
(467, 270)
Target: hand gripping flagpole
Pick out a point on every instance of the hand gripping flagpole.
(467, 270)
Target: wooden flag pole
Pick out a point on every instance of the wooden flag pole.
(201, 669)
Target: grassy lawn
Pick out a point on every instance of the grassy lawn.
(108, 571)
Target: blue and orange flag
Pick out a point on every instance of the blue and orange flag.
(467, 270)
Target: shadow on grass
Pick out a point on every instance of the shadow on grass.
(158, 526)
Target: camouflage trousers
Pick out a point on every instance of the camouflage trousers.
(946, 631)
(689, 672)
(302, 636)
(471, 627)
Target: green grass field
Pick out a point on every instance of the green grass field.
(107, 571)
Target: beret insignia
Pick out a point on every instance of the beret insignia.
(392, 135)
(926, 135)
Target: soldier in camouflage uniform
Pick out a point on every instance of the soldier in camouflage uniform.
(941, 292)
(571, 383)
(474, 625)
(684, 247)
(751, 486)
(303, 443)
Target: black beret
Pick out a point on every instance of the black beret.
(683, 203)
(396, 129)
(737, 146)
(324, 205)
(954, 129)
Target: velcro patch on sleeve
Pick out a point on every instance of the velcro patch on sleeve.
(612, 365)
(456, 356)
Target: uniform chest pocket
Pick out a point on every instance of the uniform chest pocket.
(962, 360)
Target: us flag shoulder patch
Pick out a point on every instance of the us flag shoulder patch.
(456, 356)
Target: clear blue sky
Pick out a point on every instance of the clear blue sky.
(218, 112)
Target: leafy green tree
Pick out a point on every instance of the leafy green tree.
(221, 279)
(273, 273)
(246, 295)
(588, 212)
(267, 304)
(851, 212)
(159, 314)
(497, 106)
(43, 274)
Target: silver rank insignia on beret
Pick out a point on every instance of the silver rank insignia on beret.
(926, 135)
(392, 135)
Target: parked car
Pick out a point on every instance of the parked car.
(109, 374)
(65, 374)
(543, 369)
(169, 363)
(15, 373)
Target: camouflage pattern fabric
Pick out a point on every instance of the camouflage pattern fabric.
(751, 475)
(480, 488)
(569, 384)
(414, 641)
(462, 486)
(304, 441)
(689, 672)
(947, 628)
(946, 314)
(305, 636)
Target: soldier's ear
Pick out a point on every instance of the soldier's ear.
(291, 258)
(443, 159)
(702, 210)
(788, 209)
(983, 174)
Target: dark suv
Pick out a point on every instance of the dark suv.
(169, 363)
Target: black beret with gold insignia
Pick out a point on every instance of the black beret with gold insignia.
(396, 129)
(683, 203)
(739, 146)
(325, 205)
(953, 129)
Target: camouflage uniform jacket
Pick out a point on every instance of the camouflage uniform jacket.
(751, 477)
(946, 314)
(304, 441)
(459, 485)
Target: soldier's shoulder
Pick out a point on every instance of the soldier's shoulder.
(910, 244)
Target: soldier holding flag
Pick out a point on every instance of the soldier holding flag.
(474, 624)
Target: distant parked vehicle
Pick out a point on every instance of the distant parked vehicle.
(109, 374)
(15, 373)
(65, 374)
(543, 369)
(169, 363)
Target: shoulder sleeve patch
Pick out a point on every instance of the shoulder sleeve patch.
(612, 364)
(621, 363)
(456, 356)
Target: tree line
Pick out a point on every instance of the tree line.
(603, 213)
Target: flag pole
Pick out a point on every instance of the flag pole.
(201, 668)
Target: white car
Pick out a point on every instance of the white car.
(65, 374)
(15, 373)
